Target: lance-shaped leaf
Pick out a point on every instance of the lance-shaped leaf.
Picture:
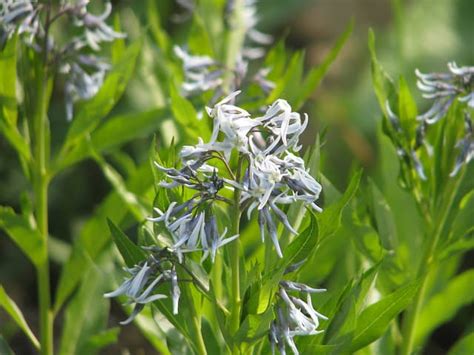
(92, 111)
(375, 319)
(130, 252)
(444, 305)
(27, 238)
(313, 79)
(12, 309)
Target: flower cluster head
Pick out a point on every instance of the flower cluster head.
(203, 73)
(84, 71)
(273, 177)
(444, 88)
(143, 280)
(21, 16)
(294, 316)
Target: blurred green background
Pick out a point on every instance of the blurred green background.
(423, 34)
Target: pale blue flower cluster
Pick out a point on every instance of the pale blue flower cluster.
(143, 280)
(444, 89)
(84, 72)
(202, 73)
(274, 175)
(294, 316)
(271, 177)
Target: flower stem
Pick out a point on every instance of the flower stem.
(234, 40)
(411, 320)
(235, 260)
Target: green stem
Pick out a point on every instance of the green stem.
(424, 268)
(40, 189)
(234, 40)
(236, 301)
(200, 340)
(41, 183)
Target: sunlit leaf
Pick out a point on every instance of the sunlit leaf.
(373, 321)
(444, 304)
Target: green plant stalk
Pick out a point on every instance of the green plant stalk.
(41, 183)
(40, 189)
(200, 341)
(234, 40)
(200, 346)
(236, 301)
(424, 269)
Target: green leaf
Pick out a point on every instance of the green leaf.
(383, 217)
(8, 102)
(12, 309)
(383, 84)
(298, 250)
(254, 326)
(136, 207)
(330, 218)
(102, 339)
(313, 79)
(464, 346)
(113, 133)
(4, 347)
(445, 304)
(407, 110)
(95, 235)
(210, 338)
(86, 315)
(131, 253)
(288, 85)
(375, 319)
(15, 138)
(27, 238)
(92, 111)
(301, 247)
(456, 248)
(186, 116)
(463, 222)
(154, 23)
